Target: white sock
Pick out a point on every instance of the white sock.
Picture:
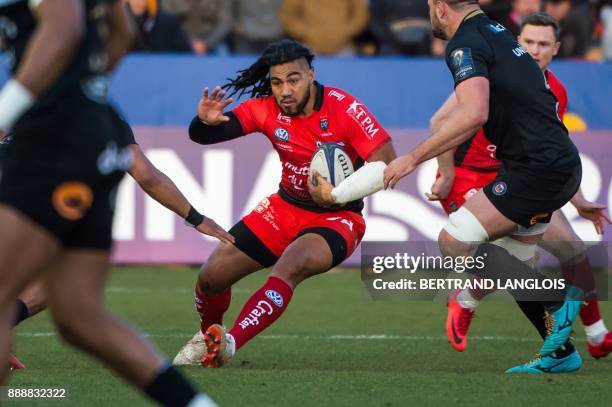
(595, 333)
(202, 400)
(231, 344)
(465, 299)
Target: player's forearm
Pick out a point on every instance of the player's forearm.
(121, 34)
(578, 199)
(58, 34)
(206, 134)
(457, 128)
(161, 188)
(446, 164)
(443, 113)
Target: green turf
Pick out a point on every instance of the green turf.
(311, 356)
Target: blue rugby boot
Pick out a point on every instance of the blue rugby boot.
(550, 364)
(559, 323)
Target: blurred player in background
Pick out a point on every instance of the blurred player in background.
(472, 165)
(301, 231)
(66, 158)
(498, 86)
(159, 187)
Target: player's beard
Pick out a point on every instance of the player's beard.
(436, 28)
(299, 107)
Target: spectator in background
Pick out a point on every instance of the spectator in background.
(518, 11)
(156, 30)
(606, 18)
(207, 22)
(326, 26)
(576, 26)
(401, 26)
(256, 24)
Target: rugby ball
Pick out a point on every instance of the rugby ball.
(332, 162)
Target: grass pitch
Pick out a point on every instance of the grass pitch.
(332, 347)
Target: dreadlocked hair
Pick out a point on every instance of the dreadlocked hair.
(255, 80)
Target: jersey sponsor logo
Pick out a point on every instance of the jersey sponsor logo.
(496, 28)
(368, 125)
(276, 298)
(519, 51)
(534, 218)
(339, 96)
(72, 200)
(499, 188)
(283, 119)
(114, 158)
(462, 63)
(281, 134)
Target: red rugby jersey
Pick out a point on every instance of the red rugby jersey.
(337, 117)
(478, 153)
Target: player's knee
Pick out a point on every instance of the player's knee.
(464, 227)
(462, 230)
(211, 280)
(292, 272)
(524, 251)
(567, 251)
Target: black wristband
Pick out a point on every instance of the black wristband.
(194, 218)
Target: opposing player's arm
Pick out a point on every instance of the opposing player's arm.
(595, 212)
(442, 114)
(59, 31)
(444, 183)
(121, 35)
(161, 188)
(469, 115)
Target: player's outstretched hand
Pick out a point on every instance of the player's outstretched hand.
(320, 190)
(596, 213)
(209, 227)
(210, 108)
(398, 169)
(440, 189)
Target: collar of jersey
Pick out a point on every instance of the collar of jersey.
(318, 97)
(471, 14)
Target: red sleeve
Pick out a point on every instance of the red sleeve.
(560, 93)
(252, 114)
(365, 134)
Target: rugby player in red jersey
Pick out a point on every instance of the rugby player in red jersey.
(472, 165)
(301, 231)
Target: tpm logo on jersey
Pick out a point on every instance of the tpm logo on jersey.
(500, 188)
(275, 297)
(497, 28)
(324, 123)
(281, 134)
(462, 63)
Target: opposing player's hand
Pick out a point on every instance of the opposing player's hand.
(211, 107)
(320, 190)
(596, 213)
(440, 189)
(398, 169)
(209, 227)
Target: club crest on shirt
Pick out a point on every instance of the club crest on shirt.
(499, 188)
(281, 134)
(324, 123)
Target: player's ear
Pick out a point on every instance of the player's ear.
(556, 48)
(311, 74)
